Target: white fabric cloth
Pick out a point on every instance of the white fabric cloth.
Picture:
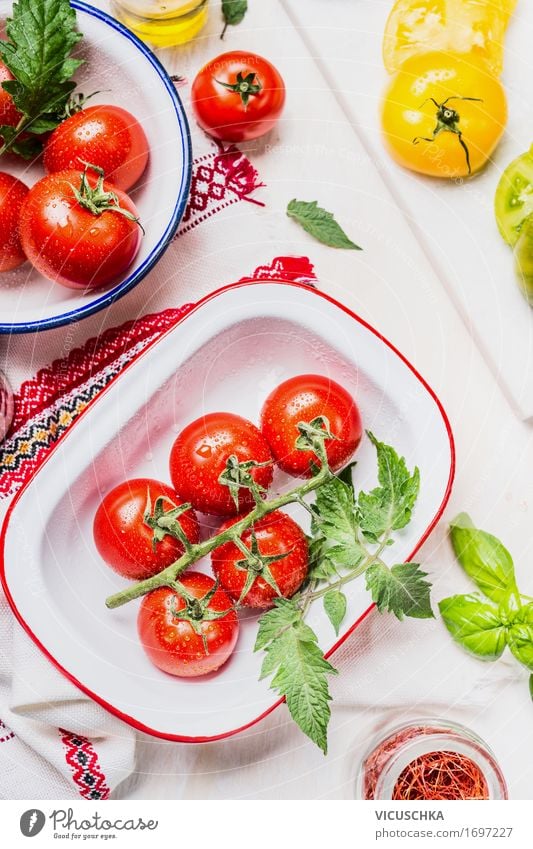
(388, 670)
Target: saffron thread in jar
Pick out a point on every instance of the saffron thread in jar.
(440, 776)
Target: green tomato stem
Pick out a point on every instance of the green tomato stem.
(196, 552)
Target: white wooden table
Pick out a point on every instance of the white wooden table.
(414, 304)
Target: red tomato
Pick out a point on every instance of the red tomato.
(276, 534)
(199, 456)
(9, 114)
(124, 540)
(238, 96)
(67, 242)
(106, 136)
(171, 642)
(12, 195)
(302, 399)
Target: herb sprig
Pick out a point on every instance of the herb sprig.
(486, 623)
(349, 534)
(41, 35)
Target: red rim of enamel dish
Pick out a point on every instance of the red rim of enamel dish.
(179, 738)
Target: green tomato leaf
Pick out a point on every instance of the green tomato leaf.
(335, 529)
(335, 607)
(402, 590)
(389, 506)
(520, 636)
(299, 668)
(484, 559)
(40, 38)
(475, 625)
(320, 224)
(284, 614)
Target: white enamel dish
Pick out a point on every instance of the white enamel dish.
(227, 354)
(127, 74)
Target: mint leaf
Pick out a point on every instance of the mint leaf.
(389, 506)
(336, 524)
(475, 625)
(299, 668)
(335, 607)
(233, 12)
(520, 636)
(320, 224)
(401, 590)
(484, 559)
(41, 36)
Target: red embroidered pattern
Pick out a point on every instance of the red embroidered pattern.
(219, 180)
(83, 761)
(46, 405)
(7, 733)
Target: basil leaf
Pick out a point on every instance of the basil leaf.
(335, 607)
(475, 625)
(520, 636)
(233, 12)
(401, 590)
(484, 559)
(320, 224)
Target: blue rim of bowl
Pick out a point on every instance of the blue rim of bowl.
(185, 139)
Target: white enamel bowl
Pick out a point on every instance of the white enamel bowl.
(127, 74)
(227, 354)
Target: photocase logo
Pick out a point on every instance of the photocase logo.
(32, 822)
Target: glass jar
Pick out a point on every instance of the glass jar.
(163, 23)
(406, 747)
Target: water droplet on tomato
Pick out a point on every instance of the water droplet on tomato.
(204, 450)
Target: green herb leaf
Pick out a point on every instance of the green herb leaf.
(520, 636)
(337, 526)
(401, 590)
(320, 224)
(346, 475)
(299, 667)
(531, 686)
(335, 607)
(389, 506)
(41, 36)
(475, 625)
(233, 12)
(484, 559)
(284, 614)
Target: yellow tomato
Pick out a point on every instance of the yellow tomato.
(460, 26)
(429, 122)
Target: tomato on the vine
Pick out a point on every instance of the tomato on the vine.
(78, 230)
(123, 537)
(277, 564)
(302, 399)
(443, 114)
(199, 456)
(190, 636)
(106, 136)
(13, 193)
(238, 96)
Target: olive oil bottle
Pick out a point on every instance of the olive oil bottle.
(163, 23)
